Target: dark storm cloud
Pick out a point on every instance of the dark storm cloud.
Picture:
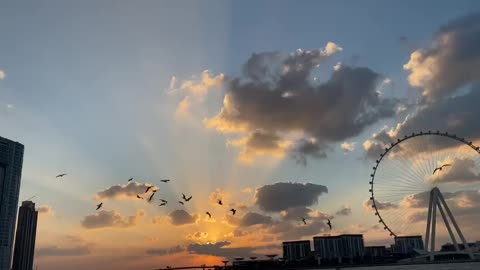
(164, 251)
(182, 217)
(104, 219)
(281, 196)
(124, 191)
(278, 97)
(452, 61)
(62, 251)
(251, 218)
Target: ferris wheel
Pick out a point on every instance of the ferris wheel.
(408, 170)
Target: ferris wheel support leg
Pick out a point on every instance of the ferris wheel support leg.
(434, 198)
(455, 225)
(429, 219)
(449, 229)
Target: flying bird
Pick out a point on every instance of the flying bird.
(163, 201)
(220, 202)
(441, 167)
(140, 197)
(130, 179)
(329, 224)
(304, 221)
(188, 199)
(61, 175)
(151, 197)
(165, 180)
(162, 204)
(180, 202)
(233, 211)
(209, 215)
(148, 188)
(99, 205)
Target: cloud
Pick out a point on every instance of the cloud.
(220, 249)
(247, 190)
(182, 217)
(259, 143)
(337, 66)
(197, 235)
(451, 62)
(348, 147)
(164, 251)
(183, 107)
(344, 211)
(62, 251)
(297, 213)
(110, 219)
(199, 86)
(368, 205)
(281, 196)
(128, 191)
(462, 171)
(297, 230)
(46, 210)
(252, 218)
(275, 96)
(3, 75)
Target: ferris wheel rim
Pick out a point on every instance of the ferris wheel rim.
(393, 145)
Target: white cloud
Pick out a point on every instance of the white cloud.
(3, 75)
(338, 66)
(332, 48)
(348, 147)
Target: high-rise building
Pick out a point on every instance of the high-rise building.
(407, 244)
(25, 237)
(296, 250)
(11, 160)
(345, 246)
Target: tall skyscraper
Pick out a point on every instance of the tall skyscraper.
(25, 237)
(11, 160)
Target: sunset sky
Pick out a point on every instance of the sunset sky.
(279, 108)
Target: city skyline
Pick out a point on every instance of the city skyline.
(278, 109)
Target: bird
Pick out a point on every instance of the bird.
(233, 211)
(188, 199)
(162, 204)
(329, 224)
(140, 197)
(208, 214)
(148, 188)
(180, 202)
(151, 197)
(165, 180)
(304, 221)
(99, 205)
(61, 175)
(441, 167)
(130, 179)
(163, 201)
(220, 202)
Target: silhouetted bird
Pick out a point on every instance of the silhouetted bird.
(441, 167)
(304, 221)
(162, 204)
(148, 188)
(188, 199)
(61, 175)
(233, 211)
(220, 202)
(140, 197)
(329, 224)
(151, 197)
(165, 180)
(130, 179)
(163, 200)
(209, 215)
(180, 202)
(99, 205)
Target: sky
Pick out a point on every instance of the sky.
(277, 108)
